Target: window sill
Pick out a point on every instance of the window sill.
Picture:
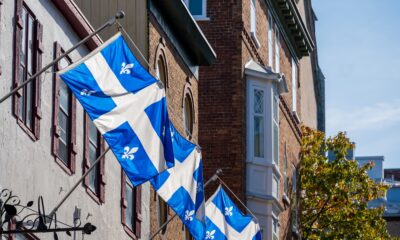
(296, 117)
(93, 195)
(27, 130)
(63, 166)
(255, 40)
(130, 233)
(201, 18)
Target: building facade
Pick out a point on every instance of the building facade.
(51, 142)
(251, 104)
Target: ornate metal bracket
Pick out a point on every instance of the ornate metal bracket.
(33, 221)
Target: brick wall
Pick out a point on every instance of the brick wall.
(179, 81)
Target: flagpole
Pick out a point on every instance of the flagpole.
(110, 22)
(212, 179)
(92, 166)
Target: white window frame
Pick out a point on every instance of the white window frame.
(275, 121)
(253, 22)
(275, 180)
(294, 85)
(203, 15)
(277, 50)
(275, 234)
(270, 40)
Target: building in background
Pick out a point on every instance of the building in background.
(49, 139)
(251, 102)
(376, 172)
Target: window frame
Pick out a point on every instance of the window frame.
(294, 85)
(294, 201)
(33, 131)
(132, 233)
(270, 40)
(69, 168)
(160, 55)
(253, 22)
(275, 234)
(203, 15)
(275, 123)
(161, 203)
(187, 94)
(277, 47)
(98, 195)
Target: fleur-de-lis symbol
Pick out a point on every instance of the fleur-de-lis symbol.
(199, 187)
(129, 153)
(228, 211)
(172, 134)
(189, 215)
(86, 92)
(210, 234)
(125, 68)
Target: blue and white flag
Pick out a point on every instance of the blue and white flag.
(127, 105)
(182, 186)
(225, 221)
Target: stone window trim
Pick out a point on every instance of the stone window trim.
(99, 196)
(72, 150)
(187, 94)
(132, 233)
(160, 54)
(37, 49)
(12, 226)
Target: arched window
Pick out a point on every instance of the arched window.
(162, 214)
(188, 114)
(161, 70)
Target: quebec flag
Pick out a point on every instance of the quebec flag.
(225, 221)
(127, 105)
(182, 186)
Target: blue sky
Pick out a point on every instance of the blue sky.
(359, 54)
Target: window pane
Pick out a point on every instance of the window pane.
(258, 101)
(64, 97)
(21, 107)
(29, 104)
(162, 213)
(63, 126)
(23, 37)
(19, 236)
(253, 16)
(196, 7)
(160, 70)
(30, 45)
(63, 152)
(93, 175)
(258, 136)
(129, 214)
(188, 116)
(276, 143)
(276, 108)
(93, 134)
(275, 187)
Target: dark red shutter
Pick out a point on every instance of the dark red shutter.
(56, 95)
(37, 101)
(102, 177)
(17, 44)
(86, 164)
(138, 207)
(124, 202)
(72, 148)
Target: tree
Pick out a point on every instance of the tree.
(334, 195)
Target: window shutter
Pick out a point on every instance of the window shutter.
(18, 31)
(86, 164)
(56, 95)
(124, 202)
(73, 149)
(102, 179)
(138, 208)
(39, 52)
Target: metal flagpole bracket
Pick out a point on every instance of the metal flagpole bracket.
(110, 22)
(211, 179)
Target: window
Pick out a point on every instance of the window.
(294, 199)
(270, 40)
(161, 64)
(64, 119)
(18, 236)
(130, 207)
(162, 213)
(93, 147)
(275, 228)
(275, 122)
(285, 179)
(27, 61)
(275, 186)
(198, 8)
(188, 114)
(277, 49)
(258, 122)
(294, 85)
(253, 22)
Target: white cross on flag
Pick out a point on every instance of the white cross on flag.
(127, 105)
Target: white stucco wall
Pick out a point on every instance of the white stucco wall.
(28, 167)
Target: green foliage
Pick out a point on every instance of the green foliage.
(334, 195)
